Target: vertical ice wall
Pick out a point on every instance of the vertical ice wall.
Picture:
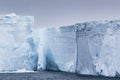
(89, 41)
(90, 48)
(86, 48)
(17, 48)
(98, 48)
(57, 49)
(108, 60)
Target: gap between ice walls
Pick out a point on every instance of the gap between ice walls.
(90, 48)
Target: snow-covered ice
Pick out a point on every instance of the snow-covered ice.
(17, 48)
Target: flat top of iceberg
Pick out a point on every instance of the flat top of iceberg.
(13, 18)
(87, 26)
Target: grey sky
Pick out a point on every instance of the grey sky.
(49, 13)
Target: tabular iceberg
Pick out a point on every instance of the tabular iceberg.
(17, 48)
(90, 48)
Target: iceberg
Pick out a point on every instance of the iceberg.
(90, 48)
(17, 47)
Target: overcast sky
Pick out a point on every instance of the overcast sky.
(54, 13)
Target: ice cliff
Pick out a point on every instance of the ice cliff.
(90, 48)
(57, 49)
(17, 48)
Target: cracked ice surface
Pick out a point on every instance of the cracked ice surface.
(17, 49)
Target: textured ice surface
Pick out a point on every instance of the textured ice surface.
(90, 48)
(98, 48)
(103, 46)
(17, 48)
(57, 48)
